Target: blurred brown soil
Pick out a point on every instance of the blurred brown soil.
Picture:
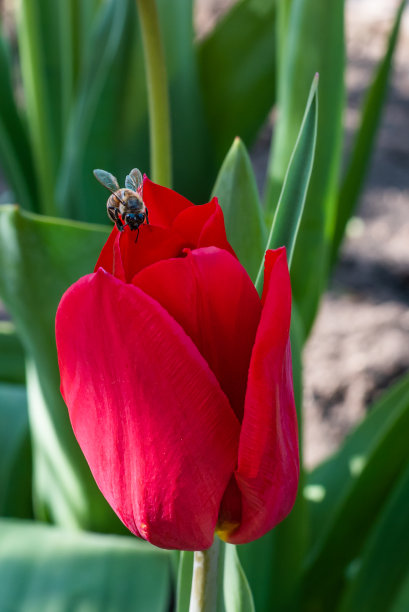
(360, 341)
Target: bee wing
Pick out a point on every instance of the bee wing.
(134, 180)
(107, 179)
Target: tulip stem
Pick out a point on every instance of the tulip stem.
(203, 597)
(158, 99)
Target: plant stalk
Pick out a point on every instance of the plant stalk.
(158, 98)
(203, 596)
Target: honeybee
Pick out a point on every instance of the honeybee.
(125, 206)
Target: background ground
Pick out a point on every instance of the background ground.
(360, 342)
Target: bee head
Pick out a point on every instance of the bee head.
(134, 220)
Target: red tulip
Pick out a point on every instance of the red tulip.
(178, 381)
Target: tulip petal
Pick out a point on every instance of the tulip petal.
(156, 429)
(204, 225)
(268, 465)
(163, 204)
(105, 259)
(211, 296)
(154, 244)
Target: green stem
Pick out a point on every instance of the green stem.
(203, 596)
(158, 100)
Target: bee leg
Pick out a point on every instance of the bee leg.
(137, 235)
(114, 215)
(147, 216)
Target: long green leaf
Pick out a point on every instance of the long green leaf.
(109, 106)
(365, 139)
(184, 581)
(39, 54)
(401, 603)
(237, 70)
(40, 258)
(45, 569)
(347, 493)
(237, 596)
(12, 366)
(290, 208)
(236, 190)
(384, 562)
(15, 149)
(192, 173)
(15, 453)
(315, 43)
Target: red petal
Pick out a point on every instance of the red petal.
(214, 231)
(155, 427)
(105, 259)
(210, 294)
(153, 244)
(203, 225)
(268, 466)
(163, 204)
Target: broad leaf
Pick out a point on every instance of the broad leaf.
(46, 569)
(237, 71)
(236, 190)
(290, 208)
(15, 453)
(384, 562)
(365, 139)
(40, 258)
(359, 477)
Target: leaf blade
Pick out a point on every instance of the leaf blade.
(229, 86)
(290, 208)
(237, 193)
(47, 569)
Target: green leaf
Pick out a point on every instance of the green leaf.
(39, 56)
(401, 603)
(314, 43)
(236, 190)
(237, 69)
(40, 258)
(236, 590)
(348, 491)
(15, 453)
(192, 175)
(15, 149)
(257, 559)
(290, 206)
(12, 367)
(46, 569)
(184, 581)
(384, 562)
(108, 123)
(365, 139)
